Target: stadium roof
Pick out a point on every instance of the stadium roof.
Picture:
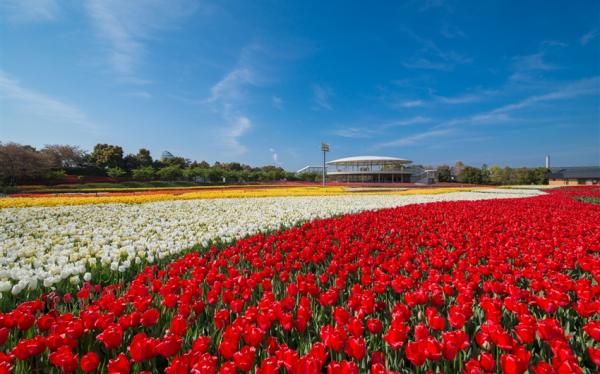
(364, 159)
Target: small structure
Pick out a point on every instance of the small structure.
(166, 155)
(573, 175)
(310, 169)
(373, 169)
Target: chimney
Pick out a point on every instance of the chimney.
(547, 162)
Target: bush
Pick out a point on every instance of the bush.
(144, 173)
(170, 173)
(115, 172)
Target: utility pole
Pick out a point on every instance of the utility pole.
(325, 149)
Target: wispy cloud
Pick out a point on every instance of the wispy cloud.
(30, 10)
(125, 26)
(588, 36)
(423, 63)
(525, 66)
(378, 129)
(452, 32)
(411, 104)
(228, 95)
(139, 94)
(322, 95)
(277, 102)
(414, 139)
(588, 86)
(274, 156)
(461, 99)
(431, 56)
(230, 87)
(504, 114)
(42, 105)
(238, 126)
(432, 4)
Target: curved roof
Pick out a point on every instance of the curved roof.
(359, 159)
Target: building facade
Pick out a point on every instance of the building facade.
(378, 169)
(574, 175)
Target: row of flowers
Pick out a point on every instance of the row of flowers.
(45, 246)
(32, 200)
(488, 286)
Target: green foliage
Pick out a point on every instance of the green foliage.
(170, 173)
(444, 173)
(145, 173)
(56, 174)
(106, 155)
(115, 172)
(470, 175)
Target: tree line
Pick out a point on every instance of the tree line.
(495, 174)
(24, 163)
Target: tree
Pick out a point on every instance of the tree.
(63, 156)
(115, 172)
(143, 157)
(145, 173)
(131, 162)
(444, 173)
(106, 155)
(470, 175)
(496, 175)
(176, 160)
(19, 162)
(170, 173)
(458, 167)
(485, 174)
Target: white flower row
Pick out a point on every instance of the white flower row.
(42, 246)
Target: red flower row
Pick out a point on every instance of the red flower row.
(509, 285)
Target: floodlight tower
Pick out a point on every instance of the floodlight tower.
(325, 149)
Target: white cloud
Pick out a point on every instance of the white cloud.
(368, 132)
(230, 136)
(30, 10)
(588, 37)
(227, 95)
(524, 66)
(414, 139)
(277, 102)
(431, 56)
(452, 32)
(411, 104)
(230, 87)
(274, 155)
(463, 99)
(42, 105)
(588, 86)
(322, 95)
(124, 27)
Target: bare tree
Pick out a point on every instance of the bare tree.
(63, 156)
(21, 161)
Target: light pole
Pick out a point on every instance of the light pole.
(325, 149)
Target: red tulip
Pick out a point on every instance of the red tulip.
(416, 353)
(356, 348)
(89, 362)
(244, 358)
(396, 337)
(119, 365)
(63, 358)
(150, 317)
(111, 337)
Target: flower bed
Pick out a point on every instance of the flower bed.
(33, 200)
(45, 246)
(498, 285)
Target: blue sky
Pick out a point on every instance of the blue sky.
(264, 82)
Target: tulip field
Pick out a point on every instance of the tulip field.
(483, 281)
